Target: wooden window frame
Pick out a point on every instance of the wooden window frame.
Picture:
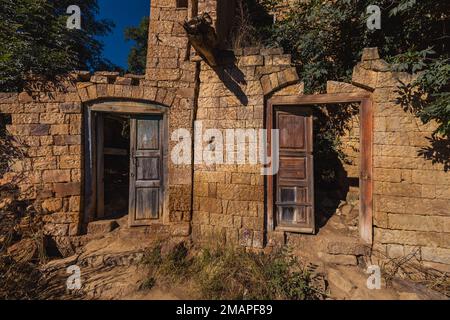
(366, 151)
(90, 163)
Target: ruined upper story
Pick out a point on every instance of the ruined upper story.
(170, 55)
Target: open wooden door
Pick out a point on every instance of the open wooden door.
(294, 183)
(146, 170)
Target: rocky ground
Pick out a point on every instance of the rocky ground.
(109, 262)
(110, 267)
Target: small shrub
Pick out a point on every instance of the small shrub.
(225, 273)
(170, 267)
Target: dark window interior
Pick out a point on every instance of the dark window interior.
(182, 3)
(116, 165)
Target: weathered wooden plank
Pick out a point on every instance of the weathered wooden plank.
(366, 168)
(318, 99)
(132, 197)
(296, 169)
(127, 107)
(90, 193)
(115, 152)
(146, 185)
(100, 167)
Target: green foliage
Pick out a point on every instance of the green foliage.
(172, 266)
(137, 57)
(411, 61)
(326, 39)
(34, 39)
(428, 96)
(232, 273)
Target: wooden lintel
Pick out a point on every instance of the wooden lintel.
(333, 98)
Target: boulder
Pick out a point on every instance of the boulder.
(24, 251)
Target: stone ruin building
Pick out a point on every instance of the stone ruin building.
(103, 148)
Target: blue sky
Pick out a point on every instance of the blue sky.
(124, 13)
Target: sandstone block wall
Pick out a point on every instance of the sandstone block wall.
(229, 198)
(49, 129)
(411, 192)
(169, 67)
(49, 126)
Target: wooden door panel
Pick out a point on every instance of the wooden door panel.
(294, 205)
(147, 134)
(290, 126)
(147, 204)
(295, 127)
(293, 168)
(147, 169)
(146, 174)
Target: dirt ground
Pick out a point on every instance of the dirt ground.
(111, 270)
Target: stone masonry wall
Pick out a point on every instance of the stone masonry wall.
(169, 67)
(411, 193)
(229, 198)
(50, 131)
(50, 127)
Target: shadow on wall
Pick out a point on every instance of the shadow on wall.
(438, 152)
(230, 75)
(331, 181)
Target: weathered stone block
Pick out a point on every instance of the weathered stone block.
(25, 97)
(56, 176)
(414, 238)
(67, 189)
(348, 248)
(370, 54)
(70, 107)
(253, 60)
(69, 162)
(25, 118)
(101, 227)
(39, 129)
(419, 223)
(52, 205)
(395, 251)
(99, 79)
(62, 140)
(345, 260)
(439, 255)
(59, 129)
(56, 229)
(51, 118)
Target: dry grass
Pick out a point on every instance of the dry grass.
(409, 267)
(224, 272)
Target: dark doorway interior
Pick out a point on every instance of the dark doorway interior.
(116, 165)
(336, 162)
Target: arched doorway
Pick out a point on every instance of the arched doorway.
(125, 171)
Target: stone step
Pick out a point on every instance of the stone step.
(354, 248)
(111, 259)
(101, 227)
(340, 259)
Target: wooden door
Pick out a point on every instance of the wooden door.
(294, 184)
(146, 173)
